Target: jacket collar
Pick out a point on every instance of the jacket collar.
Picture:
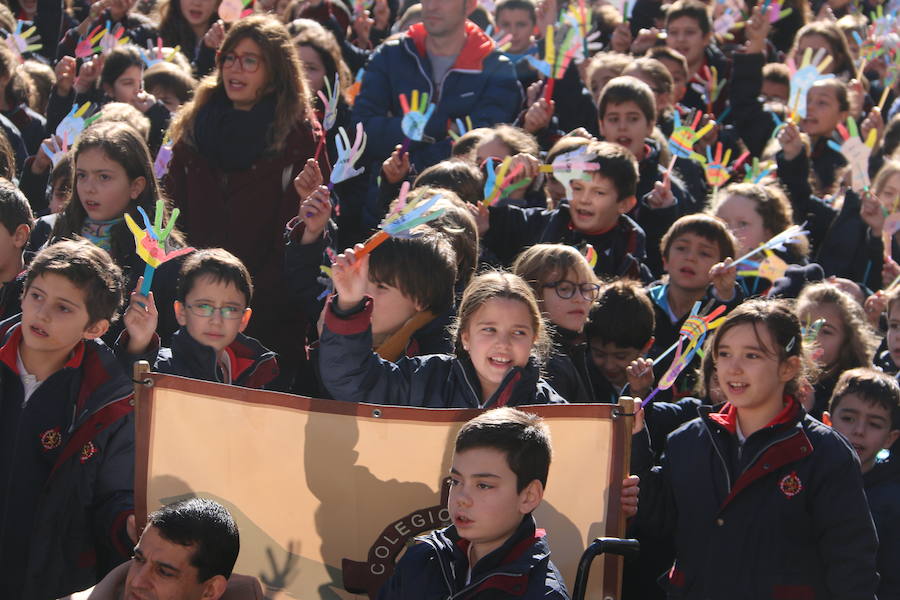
(477, 47)
(518, 382)
(727, 416)
(9, 352)
(244, 353)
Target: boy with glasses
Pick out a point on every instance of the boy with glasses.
(214, 292)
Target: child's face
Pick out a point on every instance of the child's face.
(498, 337)
(741, 218)
(104, 189)
(59, 196)
(570, 313)
(772, 90)
(595, 205)
(168, 98)
(313, 68)
(197, 12)
(823, 113)
(517, 23)
(816, 42)
(893, 333)
(684, 34)
(484, 505)
(612, 360)
(126, 87)
(832, 336)
(244, 83)
(689, 260)
(750, 374)
(889, 194)
(626, 125)
(679, 75)
(391, 308)
(215, 330)
(599, 78)
(55, 316)
(555, 190)
(866, 425)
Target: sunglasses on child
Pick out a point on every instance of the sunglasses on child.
(208, 310)
(566, 289)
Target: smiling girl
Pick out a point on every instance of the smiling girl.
(759, 481)
(499, 338)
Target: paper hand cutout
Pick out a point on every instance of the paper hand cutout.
(461, 127)
(347, 156)
(404, 217)
(57, 149)
(811, 70)
(163, 157)
(683, 137)
(21, 42)
(757, 171)
(150, 242)
(771, 268)
(157, 55)
(415, 115)
(498, 184)
(716, 169)
(856, 152)
(112, 37)
(790, 235)
(330, 102)
(232, 10)
(86, 46)
(566, 167)
(75, 122)
(590, 255)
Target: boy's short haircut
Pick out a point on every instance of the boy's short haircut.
(617, 164)
(706, 226)
(461, 176)
(607, 323)
(614, 61)
(777, 73)
(692, 9)
(545, 263)
(564, 145)
(522, 436)
(653, 70)
(87, 267)
(516, 139)
(526, 5)
(15, 209)
(170, 78)
(218, 264)
(422, 267)
(464, 147)
(873, 386)
(628, 89)
(122, 112)
(666, 53)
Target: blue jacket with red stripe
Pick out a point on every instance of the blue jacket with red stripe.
(437, 568)
(782, 516)
(66, 471)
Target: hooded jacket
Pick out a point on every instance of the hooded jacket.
(438, 566)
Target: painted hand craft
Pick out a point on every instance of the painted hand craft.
(568, 166)
(86, 47)
(330, 106)
(150, 242)
(415, 117)
(811, 70)
(778, 242)
(462, 128)
(347, 155)
(57, 149)
(557, 55)
(590, 255)
(157, 55)
(694, 333)
(402, 219)
(892, 70)
(713, 86)
(716, 168)
(498, 184)
(580, 16)
(75, 122)
(771, 267)
(757, 171)
(21, 42)
(856, 152)
(163, 157)
(683, 138)
(232, 10)
(112, 37)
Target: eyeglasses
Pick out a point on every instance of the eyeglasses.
(208, 310)
(249, 62)
(565, 289)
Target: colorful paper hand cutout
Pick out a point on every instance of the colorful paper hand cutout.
(559, 49)
(150, 242)
(576, 164)
(462, 128)
(856, 152)
(590, 255)
(347, 156)
(232, 10)
(757, 171)
(330, 102)
(163, 157)
(112, 37)
(498, 184)
(86, 47)
(21, 41)
(415, 115)
(157, 55)
(778, 242)
(683, 138)
(404, 217)
(771, 267)
(810, 71)
(57, 149)
(716, 169)
(75, 122)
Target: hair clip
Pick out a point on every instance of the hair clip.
(790, 344)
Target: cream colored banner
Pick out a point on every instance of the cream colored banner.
(327, 493)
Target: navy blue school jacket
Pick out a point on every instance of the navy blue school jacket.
(883, 491)
(352, 372)
(66, 472)
(252, 364)
(437, 567)
(784, 516)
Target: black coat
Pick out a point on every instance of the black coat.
(883, 492)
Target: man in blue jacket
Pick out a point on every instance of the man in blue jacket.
(455, 63)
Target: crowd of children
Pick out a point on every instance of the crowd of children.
(693, 203)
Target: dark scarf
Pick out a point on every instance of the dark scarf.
(232, 139)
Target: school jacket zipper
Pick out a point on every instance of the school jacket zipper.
(471, 586)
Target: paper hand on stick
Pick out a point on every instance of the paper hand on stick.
(415, 115)
(21, 42)
(810, 71)
(56, 150)
(75, 122)
(330, 102)
(347, 156)
(568, 166)
(771, 267)
(778, 242)
(112, 37)
(498, 184)
(163, 157)
(150, 242)
(232, 10)
(462, 128)
(86, 46)
(684, 137)
(856, 152)
(404, 217)
(716, 169)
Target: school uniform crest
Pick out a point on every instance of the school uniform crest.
(791, 485)
(87, 451)
(51, 439)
